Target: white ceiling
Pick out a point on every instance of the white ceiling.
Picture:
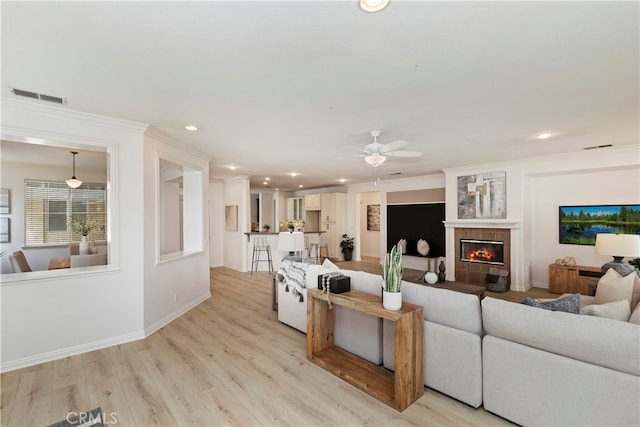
(278, 87)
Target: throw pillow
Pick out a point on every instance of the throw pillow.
(635, 315)
(635, 297)
(423, 247)
(612, 287)
(618, 310)
(328, 264)
(568, 304)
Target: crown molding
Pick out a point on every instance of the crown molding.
(56, 112)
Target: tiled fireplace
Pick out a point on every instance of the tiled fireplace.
(479, 249)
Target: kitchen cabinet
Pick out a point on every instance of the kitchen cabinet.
(333, 221)
(312, 202)
(295, 209)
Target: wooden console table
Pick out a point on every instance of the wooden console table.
(397, 390)
(574, 279)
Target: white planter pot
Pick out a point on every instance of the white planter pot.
(392, 300)
(83, 246)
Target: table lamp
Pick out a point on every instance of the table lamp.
(618, 246)
(291, 242)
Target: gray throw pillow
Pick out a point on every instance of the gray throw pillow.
(569, 304)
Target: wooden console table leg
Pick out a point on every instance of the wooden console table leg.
(319, 326)
(409, 383)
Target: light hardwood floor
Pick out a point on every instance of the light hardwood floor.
(228, 361)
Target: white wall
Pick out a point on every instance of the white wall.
(174, 285)
(216, 223)
(54, 314)
(236, 192)
(606, 187)
(369, 240)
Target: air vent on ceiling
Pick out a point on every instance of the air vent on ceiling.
(40, 96)
(395, 173)
(595, 147)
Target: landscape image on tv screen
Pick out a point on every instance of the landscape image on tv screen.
(580, 224)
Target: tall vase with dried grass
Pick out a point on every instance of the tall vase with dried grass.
(392, 280)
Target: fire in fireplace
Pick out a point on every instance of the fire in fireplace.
(482, 251)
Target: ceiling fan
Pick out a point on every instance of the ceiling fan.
(376, 153)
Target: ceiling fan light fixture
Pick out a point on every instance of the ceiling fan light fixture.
(373, 5)
(375, 160)
(74, 182)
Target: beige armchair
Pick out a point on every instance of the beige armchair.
(19, 262)
(87, 260)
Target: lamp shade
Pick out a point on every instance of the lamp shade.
(73, 182)
(291, 242)
(618, 245)
(375, 159)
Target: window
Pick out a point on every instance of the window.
(50, 205)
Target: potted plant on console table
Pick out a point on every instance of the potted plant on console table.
(347, 247)
(392, 279)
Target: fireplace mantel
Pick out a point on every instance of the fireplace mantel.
(482, 223)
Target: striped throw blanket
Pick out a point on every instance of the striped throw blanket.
(293, 274)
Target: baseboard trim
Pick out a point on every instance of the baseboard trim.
(174, 315)
(70, 351)
(100, 344)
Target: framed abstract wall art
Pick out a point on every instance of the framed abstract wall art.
(482, 196)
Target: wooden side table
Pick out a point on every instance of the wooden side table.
(397, 390)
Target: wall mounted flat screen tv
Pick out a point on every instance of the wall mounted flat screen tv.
(578, 225)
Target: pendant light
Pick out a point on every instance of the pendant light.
(74, 182)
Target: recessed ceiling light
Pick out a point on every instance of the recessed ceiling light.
(267, 179)
(233, 167)
(293, 174)
(191, 128)
(544, 135)
(342, 180)
(373, 5)
(300, 186)
(265, 183)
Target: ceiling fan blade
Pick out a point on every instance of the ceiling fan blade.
(394, 145)
(402, 153)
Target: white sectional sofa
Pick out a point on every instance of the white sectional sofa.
(544, 367)
(526, 364)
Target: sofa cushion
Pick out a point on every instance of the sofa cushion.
(449, 308)
(568, 304)
(613, 287)
(604, 342)
(618, 310)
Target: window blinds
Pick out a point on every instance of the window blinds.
(50, 205)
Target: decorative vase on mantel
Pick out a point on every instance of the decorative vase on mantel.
(431, 278)
(83, 246)
(392, 279)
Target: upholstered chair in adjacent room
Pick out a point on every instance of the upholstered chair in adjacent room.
(19, 262)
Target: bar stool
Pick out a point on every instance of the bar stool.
(261, 246)
(315, 249)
